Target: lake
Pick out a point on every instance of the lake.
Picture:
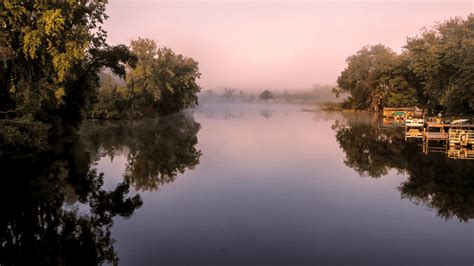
(242, 184)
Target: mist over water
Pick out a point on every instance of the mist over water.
(276, 185)
(236, 132)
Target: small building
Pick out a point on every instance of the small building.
(402, 112)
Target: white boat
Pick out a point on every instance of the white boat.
(414, 122)
(459, 121)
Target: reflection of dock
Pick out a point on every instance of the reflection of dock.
(460, 136)
(435, 136)
(461, 153)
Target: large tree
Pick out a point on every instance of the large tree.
(162, 82)
(265, 95)
(435, 70)
(366, 76)
(52, 52)
(443, 59)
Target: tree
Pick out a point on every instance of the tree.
(435, 70)
(162, 82)
(366, 77)
(52, 52)
(403, 86)
(442, 58)
(176, 75)
(265, 95)
(165, 81)
(228, 94)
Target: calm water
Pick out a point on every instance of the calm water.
(248, 184)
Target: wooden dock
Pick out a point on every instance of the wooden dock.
(435, 136)
(462, 153)
(457, 140)
(462, 137)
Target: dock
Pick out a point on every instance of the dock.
(457, 139)
(463, 154)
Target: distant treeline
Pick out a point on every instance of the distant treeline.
(52, 54)
(435, 70)
(317, 94)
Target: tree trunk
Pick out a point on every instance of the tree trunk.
(375, 102)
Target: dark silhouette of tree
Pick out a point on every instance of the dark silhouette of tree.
(266, 113)
(265, 95)
(39, 223)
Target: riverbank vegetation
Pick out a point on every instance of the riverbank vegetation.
(56, 69)
(435, 70)
(162, 82)
(433, 180)
(57, 207)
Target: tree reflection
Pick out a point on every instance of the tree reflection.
(157, 150)
(434, 180)
(55, 210)
(266, 113)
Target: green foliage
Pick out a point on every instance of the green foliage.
(176, 77)
(161, 83)
(436, 70)
(18, 134)
(366, 76)
(51, 53)
(443, 60)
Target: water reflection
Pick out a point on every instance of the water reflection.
(266, 113)
(55, 209)
(156, 149)
(434, 180)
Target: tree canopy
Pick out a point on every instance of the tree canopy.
(366, 76)
(265, 95)
(435, 70)
(162, 82)
(51, 54)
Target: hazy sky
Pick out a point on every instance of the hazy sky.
(274, 45)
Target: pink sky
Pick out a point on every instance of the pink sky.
(255, 45)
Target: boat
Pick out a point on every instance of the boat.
(414, 128)
(459, 121)
(414, 122)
